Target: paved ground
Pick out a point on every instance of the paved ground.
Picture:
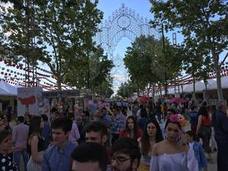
(212, 166)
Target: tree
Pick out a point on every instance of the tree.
(105, 88)
(91, 72)
(148, 65)
(126, 89)
(195, 63)
(68, 33)
(138, 61)
(20, 35)
(64, 31)
(204, 22)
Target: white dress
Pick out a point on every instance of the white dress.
(174, 162)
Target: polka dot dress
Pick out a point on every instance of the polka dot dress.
(6, 163)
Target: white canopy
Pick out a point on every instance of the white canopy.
(224, 81)
(200, 86)
(7, 89)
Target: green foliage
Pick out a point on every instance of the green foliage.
(20, 34)
(203, 24)
(91, 72)
(127, 89)
(148, 64)
(57, 32)
(138, 61)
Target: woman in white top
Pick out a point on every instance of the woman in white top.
(170, 154)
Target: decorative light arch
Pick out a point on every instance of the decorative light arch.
(124, 22)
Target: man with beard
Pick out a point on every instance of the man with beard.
(125, 155)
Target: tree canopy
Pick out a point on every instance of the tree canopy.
(203, 22)
(57, 32)
(149, 65)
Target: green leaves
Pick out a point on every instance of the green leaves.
(56, 32)
(203, 25)
(147, 63)
(91, 72)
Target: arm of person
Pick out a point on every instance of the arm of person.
(199, 124)
(36, 156)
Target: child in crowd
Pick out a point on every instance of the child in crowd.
(198, 150)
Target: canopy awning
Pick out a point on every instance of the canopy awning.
(7, 89)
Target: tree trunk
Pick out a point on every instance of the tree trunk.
(166, 88)
(205, 93)
(59, 81)
(218, 77)
(194, 88)
(153, 94)
(138, 93)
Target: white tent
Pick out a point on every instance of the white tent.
(7, 89)
(200, 86)
(224, 81)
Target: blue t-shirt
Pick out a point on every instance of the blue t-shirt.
(56, 159)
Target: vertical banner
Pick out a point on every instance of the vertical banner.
(28, 100)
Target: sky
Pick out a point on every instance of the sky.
(141, 7)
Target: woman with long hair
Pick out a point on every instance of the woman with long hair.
(36, 144)
(170, 154)
(131, 129)
(152, 134)
(203, 129)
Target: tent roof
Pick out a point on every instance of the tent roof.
(212, 85)
(7, 89)
(224, 81)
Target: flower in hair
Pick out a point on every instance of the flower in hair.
(178, 118)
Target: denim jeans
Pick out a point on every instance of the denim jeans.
(17, 155)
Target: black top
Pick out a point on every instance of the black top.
(7, 163)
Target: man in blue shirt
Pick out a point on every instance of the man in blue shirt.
(58, 155)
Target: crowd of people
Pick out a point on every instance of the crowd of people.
(161, 136)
